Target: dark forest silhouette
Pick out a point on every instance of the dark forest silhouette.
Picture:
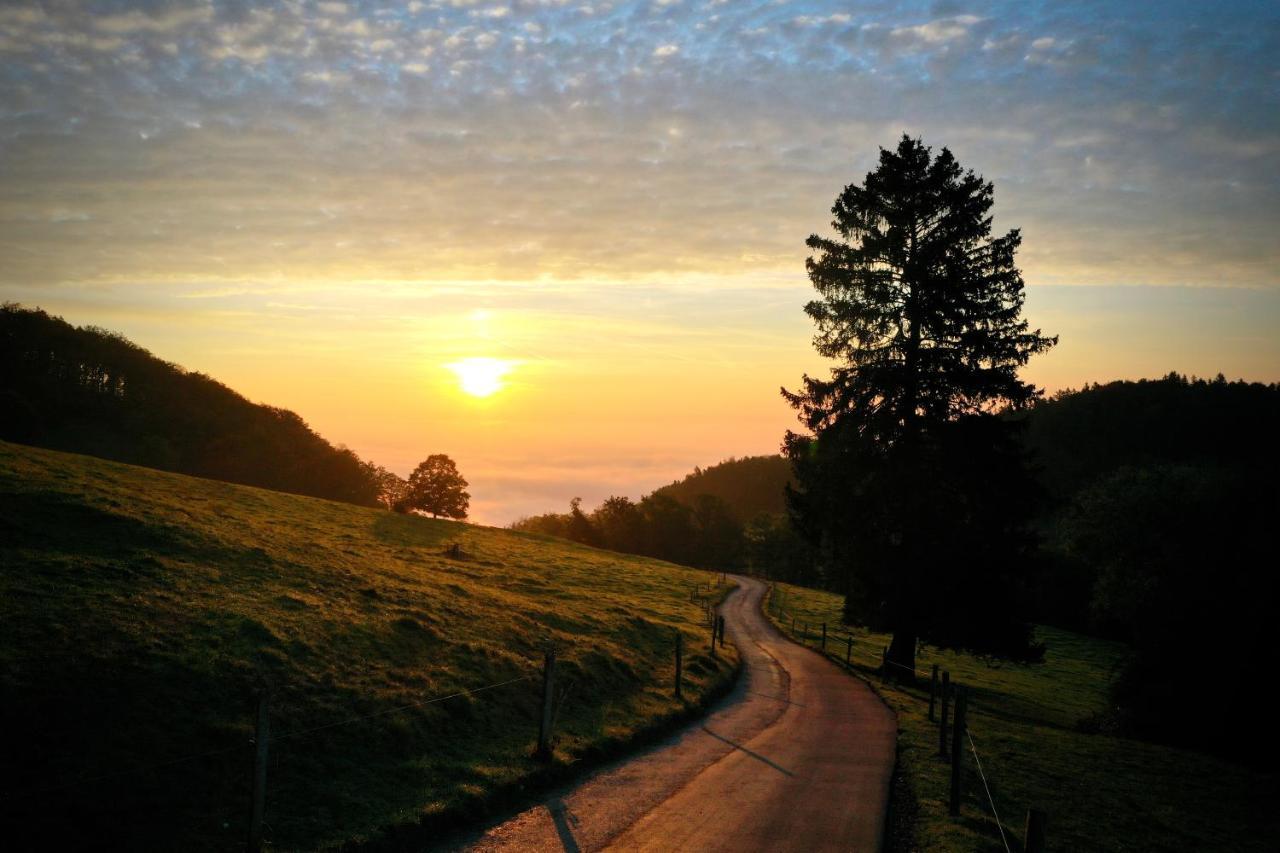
(750, 485)
(91, 391)
(1159, 531)
(731, 515)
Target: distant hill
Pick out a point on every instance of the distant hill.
(142, 611)
(87, 390)
(748, 486)
(1076, 437)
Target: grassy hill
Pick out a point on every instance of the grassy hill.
(1035, 729)
(143, 611)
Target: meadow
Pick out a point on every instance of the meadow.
(1039, 734)
(144, 612)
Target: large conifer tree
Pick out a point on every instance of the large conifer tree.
(913, 485)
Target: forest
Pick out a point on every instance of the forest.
(88, 390)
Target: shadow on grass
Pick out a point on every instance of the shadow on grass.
(413, 531)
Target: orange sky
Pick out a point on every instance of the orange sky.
(616, 387)
(325, 204)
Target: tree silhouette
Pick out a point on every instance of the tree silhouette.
(580, 528)
(392, 489)
(620, 524)
(907, 477)
(87, 390)
(436, 487)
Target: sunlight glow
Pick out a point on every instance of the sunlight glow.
(481, 377)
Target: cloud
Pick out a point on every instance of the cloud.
(937, 32)
(128, 23)
(525, 139)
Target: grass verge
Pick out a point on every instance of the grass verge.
(143, 611)
(1030, 725)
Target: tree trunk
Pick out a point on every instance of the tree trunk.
(902, 657)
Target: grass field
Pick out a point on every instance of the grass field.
(142, 612)
(1100, 792)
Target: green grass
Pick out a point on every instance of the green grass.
(142, 611)
(1101, 792)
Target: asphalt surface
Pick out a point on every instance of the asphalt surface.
(798, 757)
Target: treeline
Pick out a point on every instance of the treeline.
(1090, 446)
(88, 390)
(729, 516)
(750, 486)
(705, 535)
(1158, 529)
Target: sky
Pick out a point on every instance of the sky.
(330, 206)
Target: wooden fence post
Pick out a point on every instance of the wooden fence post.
(957, 749)
(720, 629)
(715, 627)
(933, 690)
(261, 737)
(679, 662)
(848, 652)
(824, 636)
(1034, 836)
(946, 699)
(548, 691)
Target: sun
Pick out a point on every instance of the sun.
(481, 377)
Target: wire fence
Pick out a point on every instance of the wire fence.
(15, 799)
(977, 760)
(15, 794)
(858, 653)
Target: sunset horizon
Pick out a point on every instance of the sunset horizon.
(326, 205)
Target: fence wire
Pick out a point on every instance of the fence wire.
(313, 729)
(803, 634)
(983, 776)
(12, 795)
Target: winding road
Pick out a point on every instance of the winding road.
(799, 757)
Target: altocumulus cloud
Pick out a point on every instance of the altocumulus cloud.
(178, 142)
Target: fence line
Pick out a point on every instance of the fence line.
(13, 796)
(160, 765)
(302, 732)
(983, 776)
(146, 768)
(802, 635)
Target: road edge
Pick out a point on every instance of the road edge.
(456, 828)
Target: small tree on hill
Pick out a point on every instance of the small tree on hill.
(392, 489)
(436, 487)
(916, 490)
(620, 524)
(580, 528)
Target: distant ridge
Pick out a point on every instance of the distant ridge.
(88, 390)
(748, 486)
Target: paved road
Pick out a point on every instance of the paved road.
(798, 757)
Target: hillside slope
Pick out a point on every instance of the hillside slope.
(87, 390)
(749, 486)
(143, 611)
